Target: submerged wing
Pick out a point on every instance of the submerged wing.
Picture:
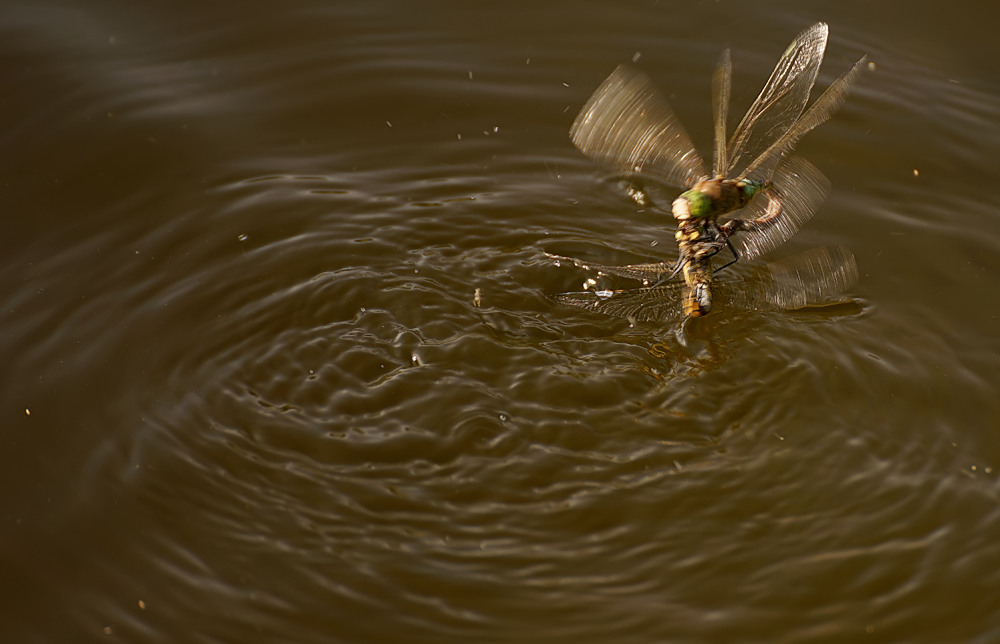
(816, 276)
(824, 107)
(628, 127)
(782, 100)
(800, 188)
(658, 304)
(721, 83)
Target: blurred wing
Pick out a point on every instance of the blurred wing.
(816, 276)
(721, 83)
(646, 273)
(629, 128)
(818, 113)
(800, 188)
(781, 101)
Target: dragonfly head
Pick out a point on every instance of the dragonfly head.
(692, 204)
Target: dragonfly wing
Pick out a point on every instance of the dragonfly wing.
(721, 84)
(813, 277)
(782, 100)
(659, 304)
(816, 276)
(647, 273)
(824, 107)
(800, 188)
(629, 128)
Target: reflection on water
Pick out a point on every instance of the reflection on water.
(252, 394)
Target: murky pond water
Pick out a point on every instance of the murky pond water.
(251, 394)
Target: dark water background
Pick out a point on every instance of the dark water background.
(248, 396)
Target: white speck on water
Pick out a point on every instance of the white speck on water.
(871, 65)
(636, 56)
(503, 417)
(565, 84)
(388, 123)
(242, 237)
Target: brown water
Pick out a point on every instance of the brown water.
(248, 395)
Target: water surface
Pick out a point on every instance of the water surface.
(251, 393)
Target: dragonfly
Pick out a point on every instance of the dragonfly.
(629, 128)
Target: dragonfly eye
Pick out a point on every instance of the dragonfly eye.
(692, 204)
(750, 188)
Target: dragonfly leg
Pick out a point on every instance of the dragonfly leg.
(770, 216)
(723, 232)
(666, 277)
(736, 257)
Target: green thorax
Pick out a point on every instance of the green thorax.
(715, 197)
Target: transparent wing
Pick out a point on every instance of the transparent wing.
(800, 189)
(818, 113)
(721, 84)
(816, 276)
(645, 273)
(782, 100)
(629, 128)
(813, 277)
